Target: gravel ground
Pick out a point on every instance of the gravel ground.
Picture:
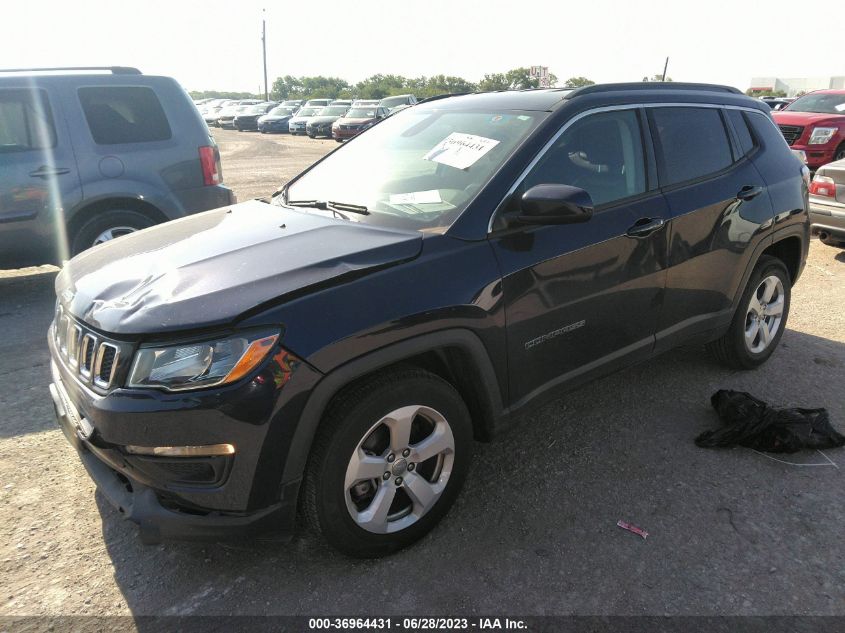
(534, 532)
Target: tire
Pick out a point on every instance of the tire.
(312, 136)
(120, 221)
(744, 346)
(839, 154)
(339, 140)
(352, 424)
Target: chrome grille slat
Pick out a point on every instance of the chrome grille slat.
(107, 355)
(74, 336)
(86, 362)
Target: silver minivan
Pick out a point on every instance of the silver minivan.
(90, 154)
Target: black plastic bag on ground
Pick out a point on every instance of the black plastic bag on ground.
(752, 423)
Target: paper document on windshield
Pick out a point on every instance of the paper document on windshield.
(460, 150)
(431, 196)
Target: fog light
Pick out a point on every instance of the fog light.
(182, 451)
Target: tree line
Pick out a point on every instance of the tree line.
(379, 86)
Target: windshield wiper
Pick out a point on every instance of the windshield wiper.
(329, 205)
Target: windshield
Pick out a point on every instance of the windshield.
(333, 111)
(308, 111)
(258, 109)
(395, 101)
(282, 111)
(291, 103)
(361, 113)
(418, 169)
(821, 103)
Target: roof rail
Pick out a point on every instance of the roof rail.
(651, 85)
(445, 95)
(115, 70)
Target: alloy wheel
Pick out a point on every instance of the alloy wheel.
(399, 469)
(764, 314)
(112, 233)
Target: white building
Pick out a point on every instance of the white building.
(793, 85)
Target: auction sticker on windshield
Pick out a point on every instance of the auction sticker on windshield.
(460, 150)
(416, 197)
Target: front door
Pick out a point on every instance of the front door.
(581, 299)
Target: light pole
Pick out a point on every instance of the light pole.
(264, 52)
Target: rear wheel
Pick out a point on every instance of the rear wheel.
(106, 226)
(840, 153)
(388, 462)
(760, 320)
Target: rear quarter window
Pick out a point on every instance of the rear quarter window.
(740, 125)
(26, 122)
(693, 143)
(118, 114)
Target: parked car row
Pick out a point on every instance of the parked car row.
(340, 119)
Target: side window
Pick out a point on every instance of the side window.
(124, 115)
(26, 122)
(693, 143)
(601, 153)
(740, 125)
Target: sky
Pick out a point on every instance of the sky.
(216, 45)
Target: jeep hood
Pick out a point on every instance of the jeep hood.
(206, 270)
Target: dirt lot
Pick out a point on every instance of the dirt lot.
(534, 532)
(255, 165)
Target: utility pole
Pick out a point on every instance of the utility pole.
(264, 52)
(665, 67)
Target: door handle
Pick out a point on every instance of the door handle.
(645, 226)
(45, 171)
(749, 192)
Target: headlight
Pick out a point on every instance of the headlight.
(822, 135)
(196, 365)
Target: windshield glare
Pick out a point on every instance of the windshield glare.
(308, 111)
(405, 174)
(820, 103)
(281, 111)
(361, 113)
(391, 103)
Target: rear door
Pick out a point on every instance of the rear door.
(720, 209)
(38, 176)
(581, 299)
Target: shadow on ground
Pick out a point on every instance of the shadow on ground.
(534, 531)
(24, 368)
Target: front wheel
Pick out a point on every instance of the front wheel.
(388, 462)
(760, 320)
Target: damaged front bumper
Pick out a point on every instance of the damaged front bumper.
(137, 486)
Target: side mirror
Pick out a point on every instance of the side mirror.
(555, 204)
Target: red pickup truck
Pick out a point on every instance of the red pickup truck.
(815, 124)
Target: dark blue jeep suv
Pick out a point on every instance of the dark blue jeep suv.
(333, 351)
